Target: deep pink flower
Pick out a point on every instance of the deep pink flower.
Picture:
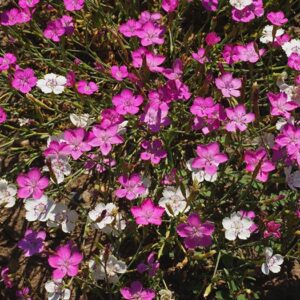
(3, 115)
(28, 3)
(238, 118)
(294, 61)
(86, 88)
(7, 60)
(71, 79)
(32, 184)
(154, 61)
(136, 291)
(176, 72)
(196, 233)
(11, 17)
(212, 39)
(147, 213)
(277, 18)
(65, 261)
(23, 294)
(138, 56)
(280, 105)
(6, 278)
(154, 151)
(119, 73)
(231, 54)
(32, 242)
(130, 28)
(228, 85)
(56, 149)
(200, 56)
(76, 138)
(110, 117)
(24, 80)
(249, 13)
(151, 267)
(209, 158)
(169, 5)
(132, 187)
(210, 5)
(104, 138)
(151, 34)
(72, 5)
(127, 103)
(67, 24)
(54, 30)
(272, 229)
(253, 159)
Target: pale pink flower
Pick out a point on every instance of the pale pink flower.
(228, 85)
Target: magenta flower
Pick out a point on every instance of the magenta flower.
(151, 34)
(24, 80)
(209, 158)
(238, 118)
(231, 54)
(272, 229)
(32, 242)
(28, 3)
(119, 73)
(212, 39)
(294, 61)
(280, 105)
(151, 267)
(228, 85)
(147, 213)
(104, 138)
(23, 294)
(73, 5)
(127, 103)
(68, 24)
(54, 30)
(154, 61)
(249, 13)
(202, 107)
(65, 261)
(3, 115)
(133, 187)
(277, 18)
(200, 56)
(136, 291)
(7, 60)
(169, 5)
(176, 72)
(109, 117)
(147, 16)
(57, 149)
(253, 159)
(5, 276)
(195, 233)
(11, 17)
(130, 28)
(32, 184)
(210, 5)
(86, 88)
(76, 138)
(153, 151)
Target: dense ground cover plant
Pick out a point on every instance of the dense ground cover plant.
(149, 149)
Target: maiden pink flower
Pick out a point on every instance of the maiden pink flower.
(210, 5)
(119, 73)
(200, 56)
(24, 80)
(238, 118)
(151, 267)
(130, 28)
(72, 5)
(68, 24)
(272, 229)
(5, 276)
(154, 151)
(7, 60)
(151, 34)
(248, 53)
(3, 115)
(32, 242)
(212, 39)
(127, 103)
(147, 213)
(249, 13)
(196, 233)
(280, 105)
(32, 184)
(11, 17)
(154, 61)
(253, 159)
(28, 3)
(169, 5)
(54, 30)
(65, 261)
(294, 61)
(136, 291)
(228, 85)
(56, 149)
(209, 158)
(277, 18)
(86, 88)
(231, 54)
(147, 16)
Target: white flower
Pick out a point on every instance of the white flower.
(122, 127)
(63, 216)
(200, 175)
(272, 263)
(61, 168)
(56, 291)
(267, 34)
(292, 179)
(80, 120)
(293, 46)
(240, 4)
(107, 270)
(174, 199)
(38, 209)
(52, 83)
(103, 215)
(237, 226)
(116, 227)
(23, 121)
(7, 193)
(166, 295)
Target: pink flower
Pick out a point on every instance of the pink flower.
(258, 158)
(277, 18)
(210, 5)
(23, 294)
(151, 267)
(153, 61)
(119, 73)
(176, 72)
(169, 5)
(104, 138)
(54, 30)
(238, 118)
(67, 24)
(71, 79)
(65, 261)
(136, 291)
(228, 85)
(24, 80)
(294, 61)
(127, 102)
(109, 117)
(212, 39)
(32, 242)
(147, 213)
(281, 106)
(133, 187)
(249, 53)
(272, 229)
(209, 158)
(147, 16)
(6, 278)
(32, 184)
(151, 34)
(153, 151)
(72, 5)
(130, 28)
(3, 115)
(76, 138)
(195, 233)
(11, 17)
(200, 56)
(56, 149)
(249, 13)
(28, 3)
(86, 88)
(7, 60)
(202, 106)
(231, 54)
